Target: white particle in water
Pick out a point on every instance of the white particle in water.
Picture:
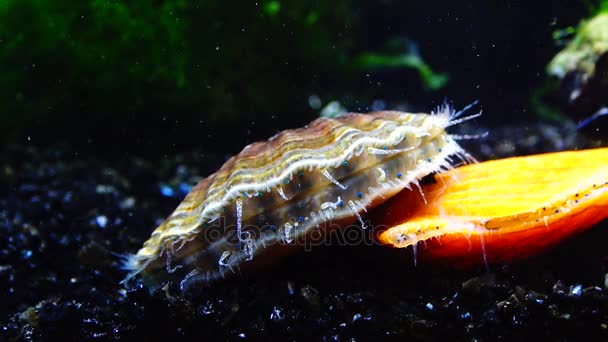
(314, 102)
(102, 221)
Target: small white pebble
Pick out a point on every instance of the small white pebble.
(576, 290)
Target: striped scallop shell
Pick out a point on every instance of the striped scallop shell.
(277, 191)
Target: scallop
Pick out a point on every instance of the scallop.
(274, 193)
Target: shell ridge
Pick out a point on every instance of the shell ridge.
(338, 140)
(239, 188)
(286, 153)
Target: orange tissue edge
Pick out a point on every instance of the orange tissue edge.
(500, 210)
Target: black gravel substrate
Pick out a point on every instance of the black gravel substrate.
(66, 218)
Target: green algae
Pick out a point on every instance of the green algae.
(585, 45)
(63, 59)
(430, 79)
(584, 50)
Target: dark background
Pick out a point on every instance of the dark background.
(158, 77)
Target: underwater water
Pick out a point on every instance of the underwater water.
(112, 111)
